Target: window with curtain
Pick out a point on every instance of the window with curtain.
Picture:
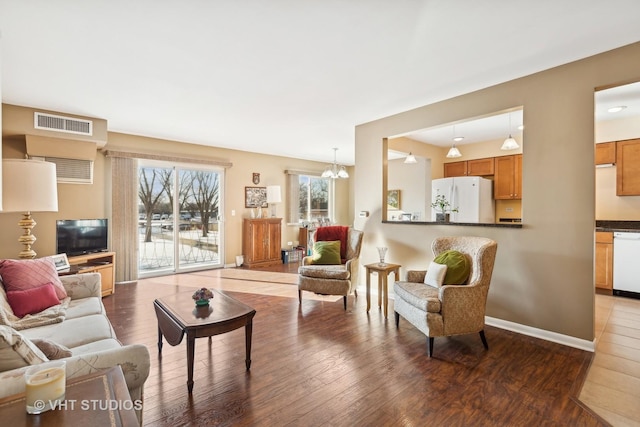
(310, 197)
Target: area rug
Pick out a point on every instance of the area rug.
(259, 276)
(252, 281)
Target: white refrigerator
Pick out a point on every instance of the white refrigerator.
(471, 195)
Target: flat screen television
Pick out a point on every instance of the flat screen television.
(81, 236)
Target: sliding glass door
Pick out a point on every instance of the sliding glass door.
(179, 227)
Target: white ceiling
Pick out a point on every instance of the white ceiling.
(499, 126)
(284, 77)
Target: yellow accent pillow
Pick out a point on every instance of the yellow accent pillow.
(327, 253)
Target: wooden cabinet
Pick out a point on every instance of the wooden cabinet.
(100, 262)
(605, 153)
(476, 167)
(628, 167)
(604, 260)
(455, 169)
(481, 167)
(261, 241)
(507, 183)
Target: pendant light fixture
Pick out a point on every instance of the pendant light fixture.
(510, 143)
(334, 171)
(453, 151)
(410, 159)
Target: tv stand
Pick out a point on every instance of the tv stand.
(99, 262)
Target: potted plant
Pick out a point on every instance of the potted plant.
(443, 208)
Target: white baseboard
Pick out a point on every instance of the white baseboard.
(232, 265)
(542, 334)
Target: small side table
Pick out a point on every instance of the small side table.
(383, 271)
(98, 399)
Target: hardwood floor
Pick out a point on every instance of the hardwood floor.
(316, 364)
(612, 386)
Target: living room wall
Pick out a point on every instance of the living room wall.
(93, 201)
(543, 281)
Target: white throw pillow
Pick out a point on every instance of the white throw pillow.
(17, 351)
(435, 274)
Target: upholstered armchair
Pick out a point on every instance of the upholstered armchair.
(336, 279)
(449, 309)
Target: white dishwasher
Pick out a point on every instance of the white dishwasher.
(626, 264)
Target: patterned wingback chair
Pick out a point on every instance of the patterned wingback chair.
(450, 309)
(339, 279)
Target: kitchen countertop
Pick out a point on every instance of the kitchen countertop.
(623, 226)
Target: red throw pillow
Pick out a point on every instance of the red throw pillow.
(18, 275)
(33, 300)
(334, 232)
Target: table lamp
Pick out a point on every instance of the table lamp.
(28, 186)
(273, 197)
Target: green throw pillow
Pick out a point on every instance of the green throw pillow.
(458, 267)
(326, 252)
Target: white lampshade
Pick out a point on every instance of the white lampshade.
(454, 152)
(273, 197)
(273, 194)
(509, 144)
(29, 186)
(411, 159)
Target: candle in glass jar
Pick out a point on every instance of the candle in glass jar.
(45, 385)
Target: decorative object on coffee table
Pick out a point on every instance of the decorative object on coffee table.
(202, 296)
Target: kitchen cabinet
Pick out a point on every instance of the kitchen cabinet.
(481, 167)
(261, 239)
(604, 260)
(507, 182)
(605, 153)
(628, 167)
(455, 169)
(476, 167)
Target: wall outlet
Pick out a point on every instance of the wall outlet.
(508, 209)
(289, 243)
(233, 212)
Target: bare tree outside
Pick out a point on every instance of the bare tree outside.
(313, 197)
(177, 208)
(303, 210)
(166, 180)
(185, 187)
(150, 192)
(206, 196)
(319, 197)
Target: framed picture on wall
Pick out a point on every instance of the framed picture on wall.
(393, 199)
(255, 197)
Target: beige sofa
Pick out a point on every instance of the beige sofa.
(87, 332)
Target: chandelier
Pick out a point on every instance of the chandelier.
(334, 170)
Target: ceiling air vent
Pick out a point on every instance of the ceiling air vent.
(71, 171)
(56, 123)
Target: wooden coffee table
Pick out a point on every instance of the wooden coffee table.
(178, 315)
